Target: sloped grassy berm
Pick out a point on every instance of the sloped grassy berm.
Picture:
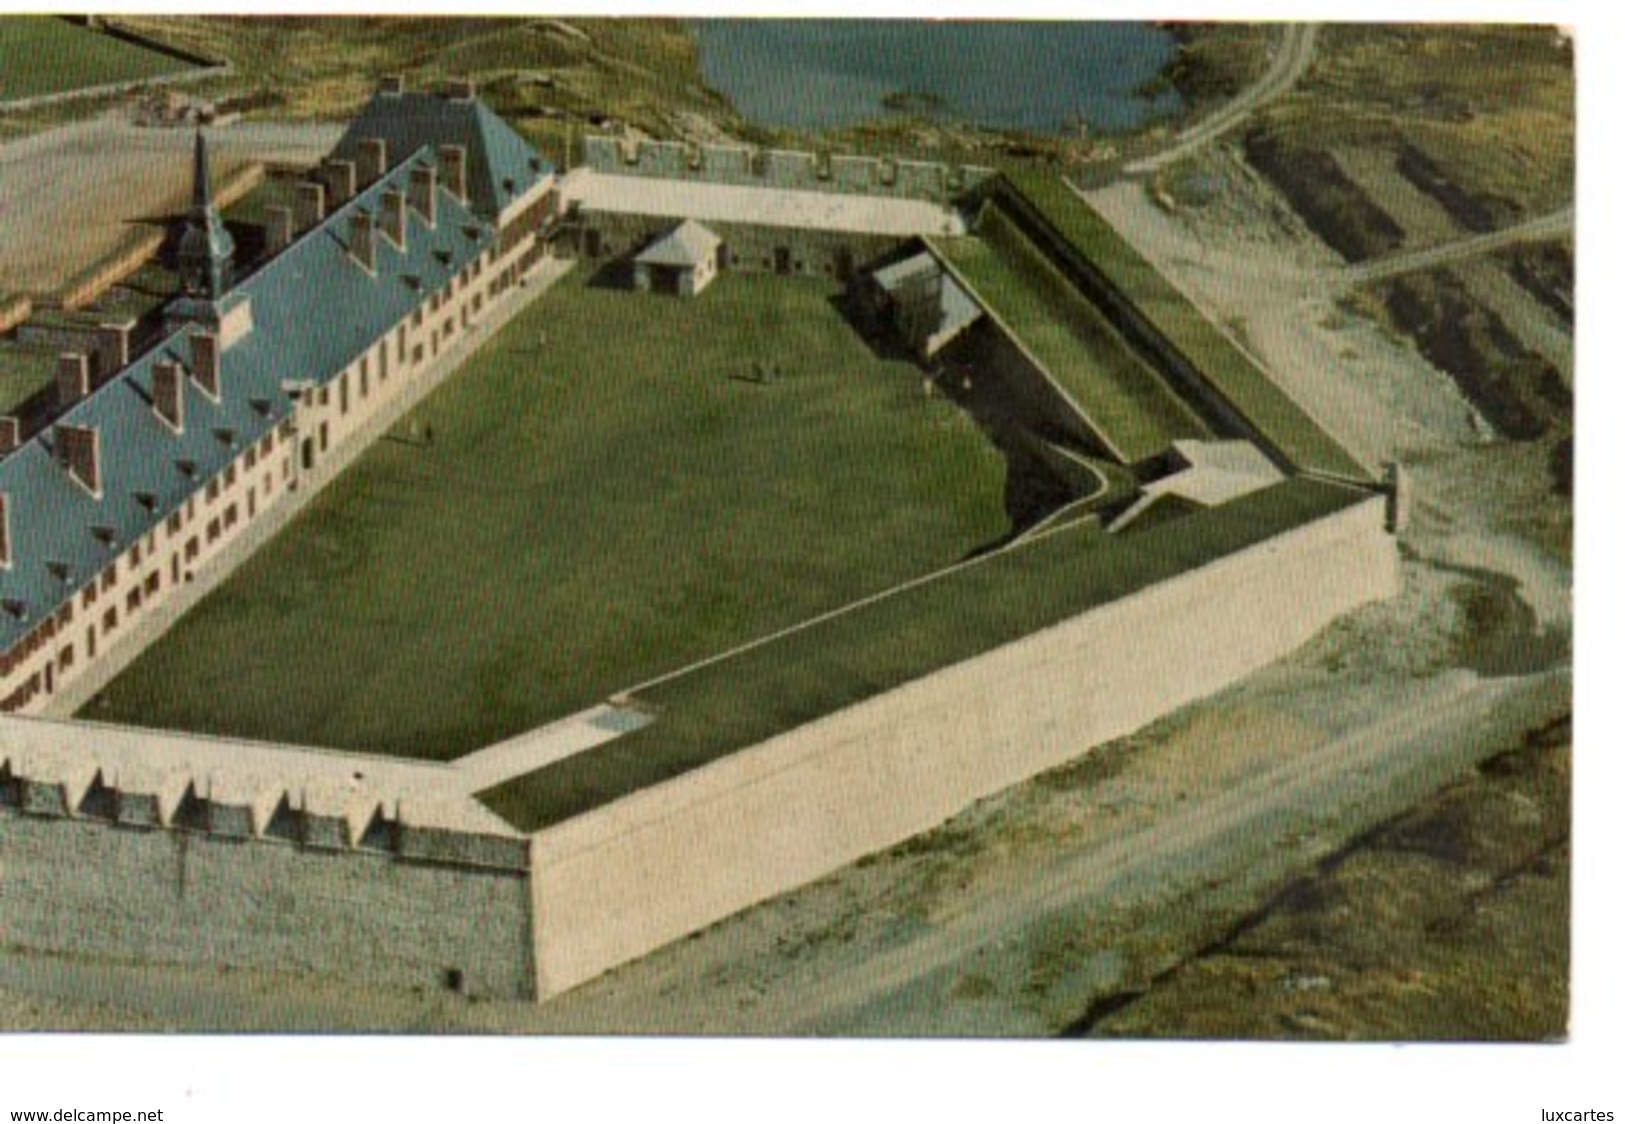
(1218, 362)
(735, 703)
(610, 494)
(41, 55)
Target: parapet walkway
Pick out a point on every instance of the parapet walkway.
(536, 749)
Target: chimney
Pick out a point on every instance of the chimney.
(79, 450)
(394, 85)
(362, 247)
(339, 175)
(421, 194)
(169, 395)
(454, 162)
(392, 219)
(312, 204)
(278, 229)
(206, 363)
(372, 159)
(113, 347)
(11, 434)
(5, 531)
(72, 378)
(460, 89)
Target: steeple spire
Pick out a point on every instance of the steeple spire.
(202, 186)
(206, 246)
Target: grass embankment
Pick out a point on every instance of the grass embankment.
(609, 496)
(44, 55)
(767, 690)
(1124, 400)
(1236, 377)
(24, 372)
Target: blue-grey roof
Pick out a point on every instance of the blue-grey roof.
(315, 311)
(497, 156)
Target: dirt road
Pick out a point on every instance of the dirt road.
(1291, 61)
(1557, 224)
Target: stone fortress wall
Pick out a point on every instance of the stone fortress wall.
(751, 247)
(171, 848)
(619, 882)
(399, 882)
(371, 911)
(785, 170)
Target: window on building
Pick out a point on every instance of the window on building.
(268, 443)
(65, 660)
(191, 548)
(154, 581)
(252, 456)
(231, 475)
(135, 556)
(109, 621)
(213, 529)
(109, 577)
(132, 601)
(212, 493)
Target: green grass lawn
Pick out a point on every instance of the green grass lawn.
(44, 55)
(1237, 377)
(609, 497)
(1125, 399)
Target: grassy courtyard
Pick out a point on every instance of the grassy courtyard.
(611, 493)
(42, 55)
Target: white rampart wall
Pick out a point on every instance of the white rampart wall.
(85, 888)
(643, 871)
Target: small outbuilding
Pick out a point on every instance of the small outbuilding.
(683, 261)
(923, 302)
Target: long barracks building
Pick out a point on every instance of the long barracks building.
(428, 207)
